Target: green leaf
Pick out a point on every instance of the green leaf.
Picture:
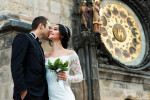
(59, 66)
(56, 66)
(66, 64)
(52, 67)
(49, 63)
(60, 63)
(65, 69)
(57, 61)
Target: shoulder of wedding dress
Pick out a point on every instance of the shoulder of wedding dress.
(69, 51)
(73, 54)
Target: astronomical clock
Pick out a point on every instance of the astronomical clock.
(122, 35)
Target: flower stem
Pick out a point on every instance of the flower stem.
(57, 79)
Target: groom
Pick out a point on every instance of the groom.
(28, 64)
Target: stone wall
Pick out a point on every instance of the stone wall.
(6, 82)
(57, 11)
(24, 11)
(117, 83)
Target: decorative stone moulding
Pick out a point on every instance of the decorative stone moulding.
(10, 21)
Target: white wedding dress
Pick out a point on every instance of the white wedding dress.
(55, 90)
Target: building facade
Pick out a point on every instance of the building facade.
(115, 61)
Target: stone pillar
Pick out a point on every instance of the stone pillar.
(94, 41)
(85, 44)
(85, 36)
(81, 53)
(10, 25)
(86, 49)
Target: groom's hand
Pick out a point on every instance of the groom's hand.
(23, 94)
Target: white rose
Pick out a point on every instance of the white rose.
(63, 61)
(52, 62)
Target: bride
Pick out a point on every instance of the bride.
(59, 37)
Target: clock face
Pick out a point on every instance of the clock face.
(121, 34)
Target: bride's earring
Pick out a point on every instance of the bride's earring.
(60, 38)
(50, 42)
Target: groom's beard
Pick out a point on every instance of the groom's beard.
(45, 38)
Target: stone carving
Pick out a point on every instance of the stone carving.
(77, 44)
(96, 16)
(119, 32)
(84, 11)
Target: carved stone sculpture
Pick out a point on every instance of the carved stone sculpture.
(85, 14)
(96, 16)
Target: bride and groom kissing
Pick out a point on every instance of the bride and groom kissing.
(32, 79)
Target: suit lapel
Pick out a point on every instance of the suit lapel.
(39, 46)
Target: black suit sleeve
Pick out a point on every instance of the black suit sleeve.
(19, 50)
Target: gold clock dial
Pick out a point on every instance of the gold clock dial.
(120, 33)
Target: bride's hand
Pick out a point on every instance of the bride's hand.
(62, 75)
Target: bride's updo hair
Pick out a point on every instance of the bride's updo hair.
(65, 32)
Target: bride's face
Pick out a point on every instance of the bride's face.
(54, 33)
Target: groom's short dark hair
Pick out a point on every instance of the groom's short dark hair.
(37, 21)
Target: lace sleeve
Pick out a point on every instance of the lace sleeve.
(76, 67)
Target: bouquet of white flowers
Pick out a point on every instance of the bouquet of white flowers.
(57, 66)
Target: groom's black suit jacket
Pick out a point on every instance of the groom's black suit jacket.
(27, 65)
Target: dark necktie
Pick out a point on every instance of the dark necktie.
(37, 39)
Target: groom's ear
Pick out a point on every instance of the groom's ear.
(40, 26)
